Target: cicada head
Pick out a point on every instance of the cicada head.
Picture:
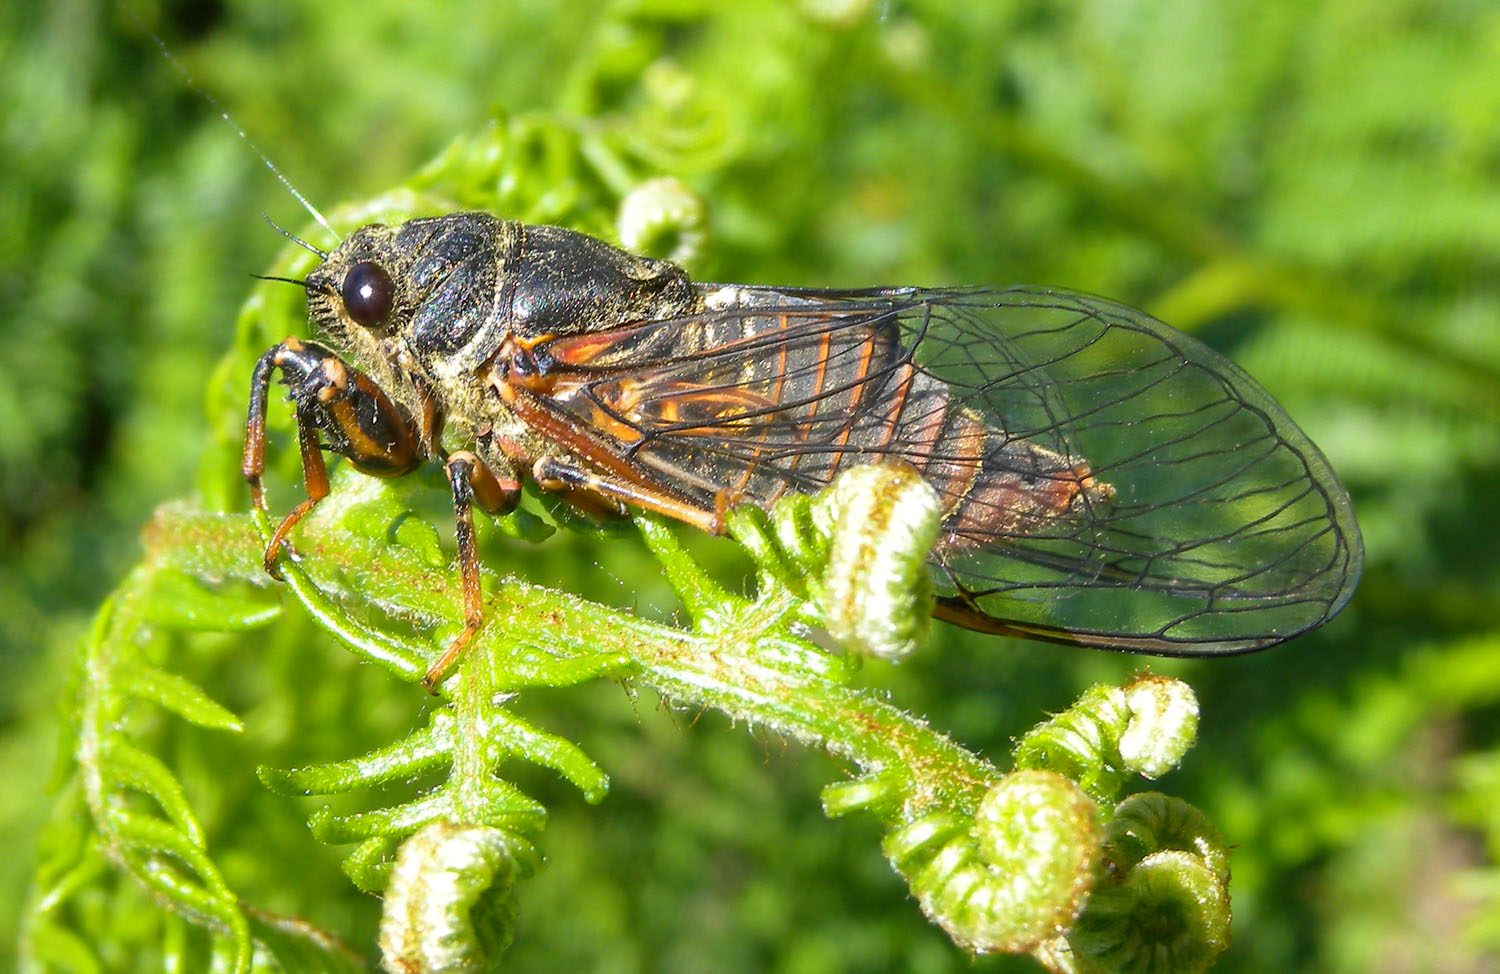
(431, 281)
(451, 288)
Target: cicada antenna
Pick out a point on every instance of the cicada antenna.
(303, 283)
(213, 103)
(322, 254)
(283, 280)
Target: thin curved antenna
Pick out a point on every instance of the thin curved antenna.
(214, 104)
(303, 284)
(284, 280)
(322, 254)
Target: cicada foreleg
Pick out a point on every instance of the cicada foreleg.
(473, 484)
(358, 420)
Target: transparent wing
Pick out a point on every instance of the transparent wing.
(1106, 480)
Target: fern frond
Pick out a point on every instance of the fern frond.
(432, 819)
(122, 806)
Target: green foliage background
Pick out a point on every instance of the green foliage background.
(1312, 188)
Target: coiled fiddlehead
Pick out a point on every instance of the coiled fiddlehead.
(1013, 875)
(1163, 904)
(1026, 861)
(882, 520)
(450, 906)
(663, 218)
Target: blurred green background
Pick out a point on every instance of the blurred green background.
(1312, 188)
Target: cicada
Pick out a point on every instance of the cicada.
(1105, 480)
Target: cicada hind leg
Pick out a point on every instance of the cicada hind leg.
(557, 473)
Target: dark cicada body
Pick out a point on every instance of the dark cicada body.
(1105, 480)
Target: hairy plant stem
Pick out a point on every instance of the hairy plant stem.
(738, 658)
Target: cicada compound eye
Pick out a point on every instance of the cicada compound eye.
(368, 294)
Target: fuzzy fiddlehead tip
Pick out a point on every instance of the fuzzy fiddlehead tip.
(662, 217)
(1143, 728)
(450, 906)
(881, 520)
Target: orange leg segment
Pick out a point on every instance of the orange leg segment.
(555, 473)
(472, 483)
(315, 479)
